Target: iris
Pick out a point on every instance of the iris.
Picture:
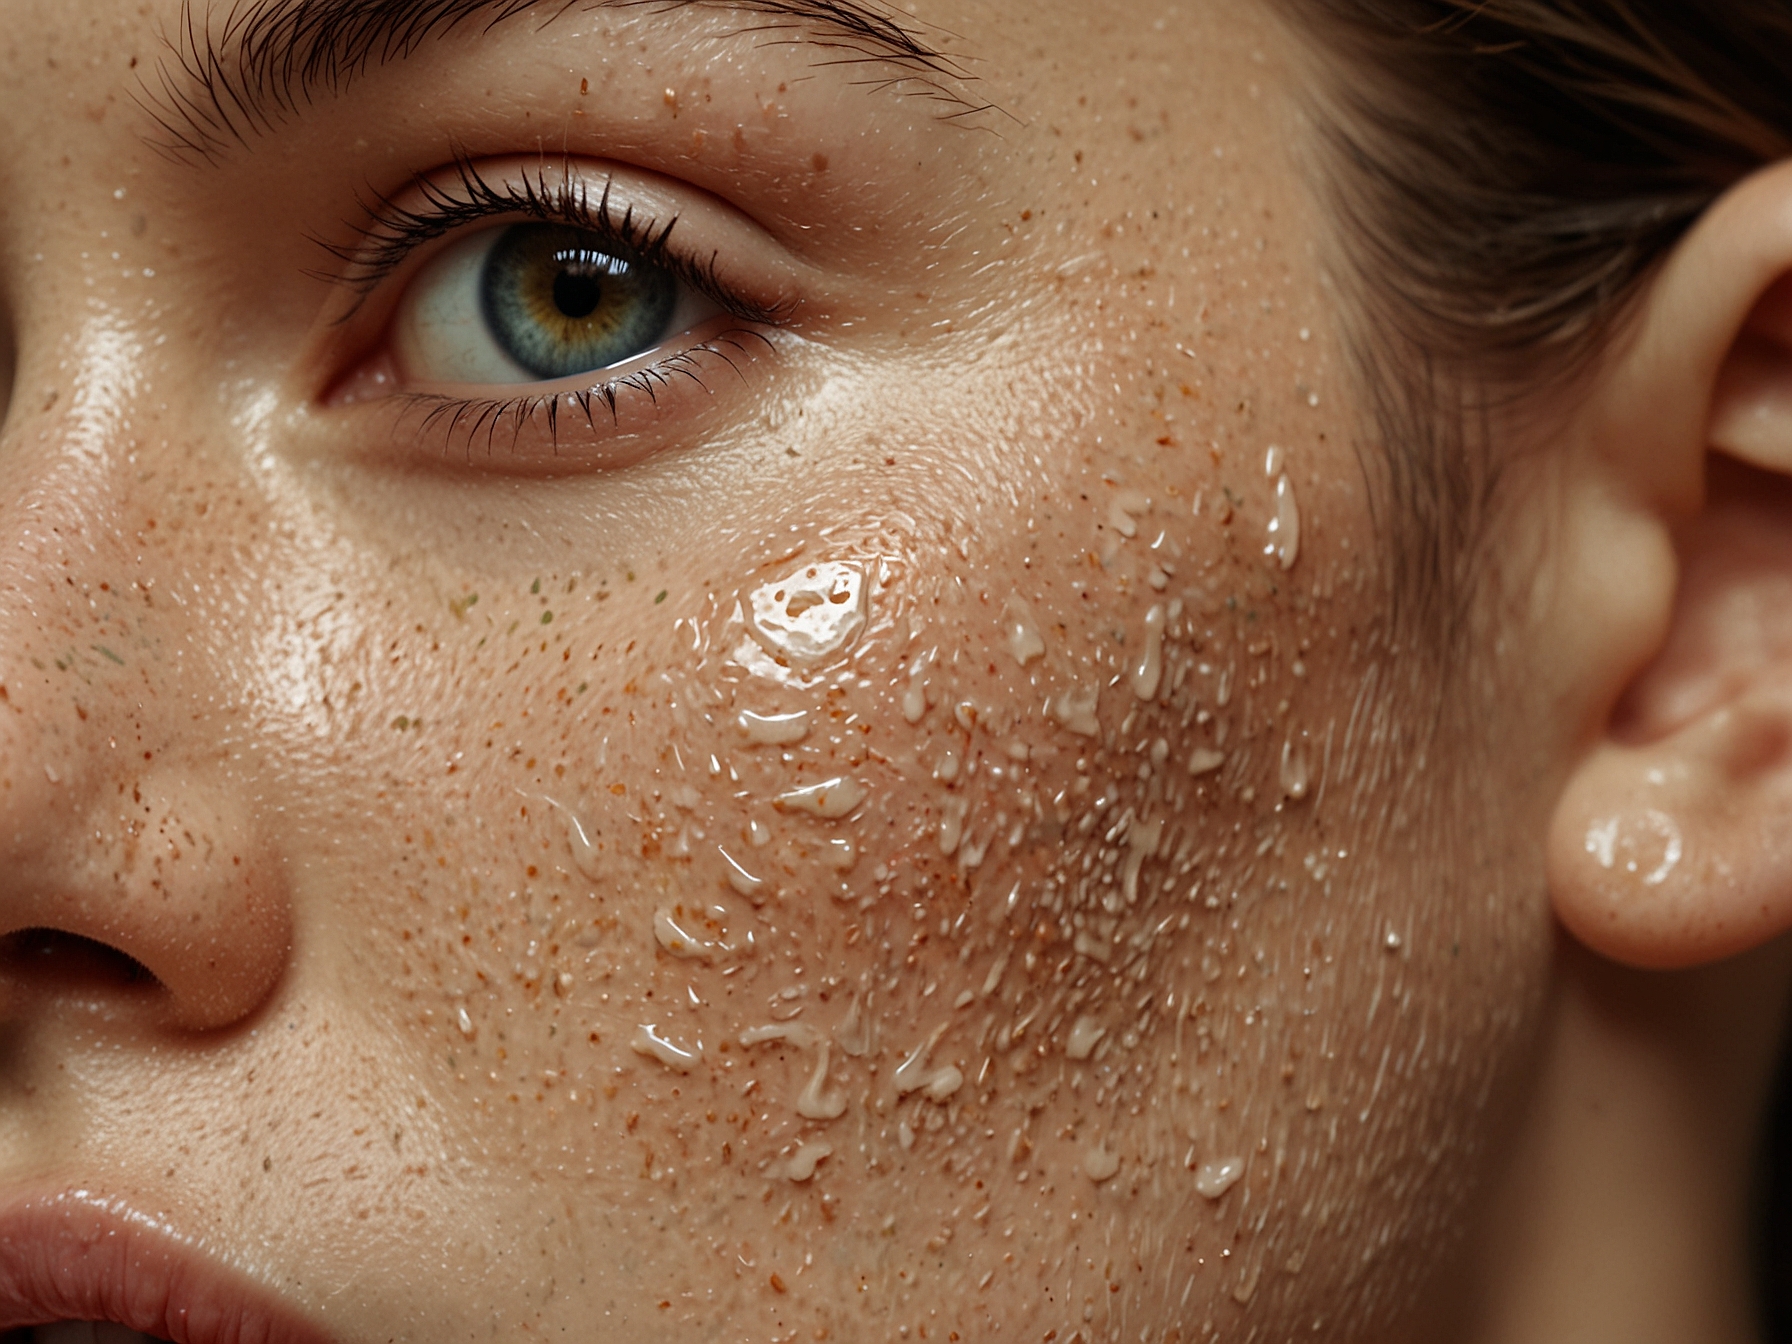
(562, 301)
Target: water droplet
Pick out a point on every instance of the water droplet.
(1295, 771)
(1284, 528)
(914, 696)
(693, 933)
(831, 799)
(1141, 843)
(1085, 1035)
(585, 853)
(943, 1082)
(777, 730)
(853, 1035)
(1272, 462)
(840, 855)
(738, 877)
(811, 615)
(807, 1157)
(1022, 632)
(994, 978)
(914, 1075)
(952, 825)
(465, 1023)
(1124, 510)
(1650, 845)
(1215, 1178)
(1247, 1285)
(1075, 709)
(815, 1102)
(1148, 672)
(1100, 1164)
(1205, 760)
(1602, 839)
(648, 1041)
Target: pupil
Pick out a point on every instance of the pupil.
(576, 295)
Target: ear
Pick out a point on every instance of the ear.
(1671, 843)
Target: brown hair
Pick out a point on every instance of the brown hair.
(1505, 175)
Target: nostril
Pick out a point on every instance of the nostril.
(41, 957)
(175, 910)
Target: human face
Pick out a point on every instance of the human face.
(890, 819)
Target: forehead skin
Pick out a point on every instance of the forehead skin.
(516, 987)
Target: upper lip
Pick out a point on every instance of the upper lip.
(73, 1255)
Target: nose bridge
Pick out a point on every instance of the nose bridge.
(120, 819)
(74, 590)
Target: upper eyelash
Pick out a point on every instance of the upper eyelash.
(391, 232)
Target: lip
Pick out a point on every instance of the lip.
(78, 1256)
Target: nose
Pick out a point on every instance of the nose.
(132, 848)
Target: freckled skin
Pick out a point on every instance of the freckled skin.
(383, 764)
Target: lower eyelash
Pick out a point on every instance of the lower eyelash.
(468, 419)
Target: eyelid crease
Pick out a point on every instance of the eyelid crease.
(391, 231)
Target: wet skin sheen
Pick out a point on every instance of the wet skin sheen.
(912, 831)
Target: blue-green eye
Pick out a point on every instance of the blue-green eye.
(538, 303)
(561, 301)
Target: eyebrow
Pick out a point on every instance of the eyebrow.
(269, 59)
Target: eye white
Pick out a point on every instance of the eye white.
(441, 334)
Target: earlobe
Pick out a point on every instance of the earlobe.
(1678, 852)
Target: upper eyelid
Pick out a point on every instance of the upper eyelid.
(391, 230)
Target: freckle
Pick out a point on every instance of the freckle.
(821, 163)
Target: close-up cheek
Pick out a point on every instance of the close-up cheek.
(810, 905)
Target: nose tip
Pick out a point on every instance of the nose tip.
(168, 872)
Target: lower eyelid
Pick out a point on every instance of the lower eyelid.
(579, 425)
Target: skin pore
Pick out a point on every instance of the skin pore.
(920, 829)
